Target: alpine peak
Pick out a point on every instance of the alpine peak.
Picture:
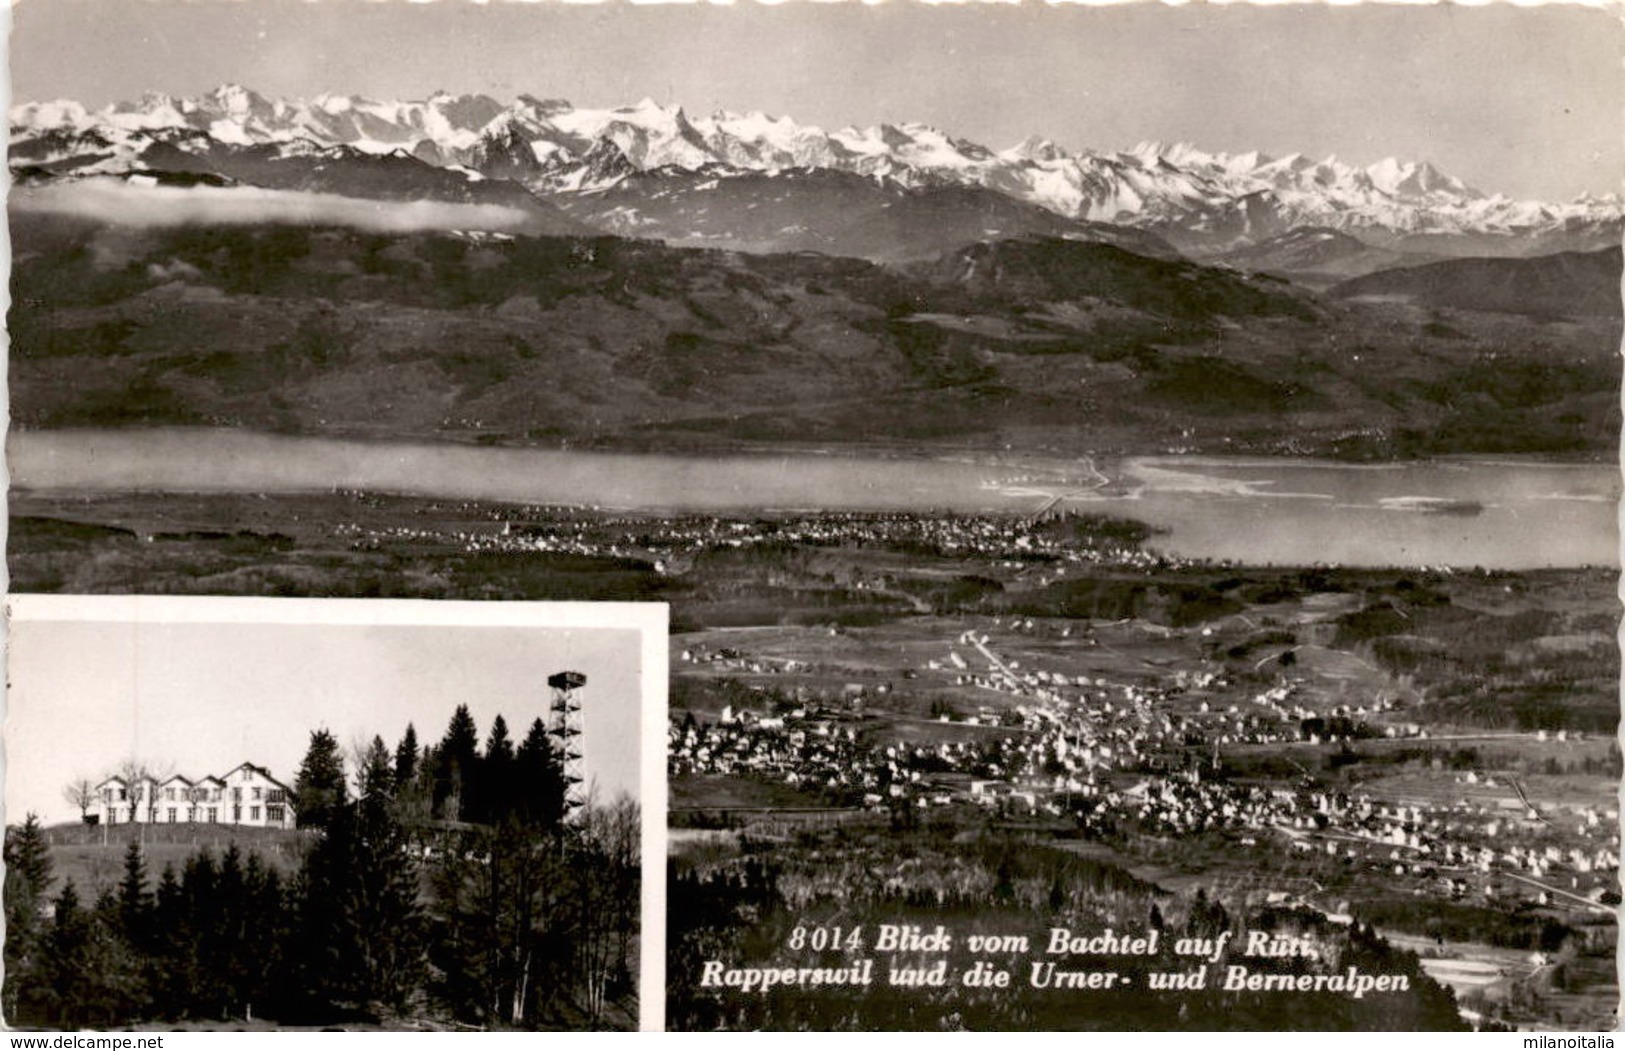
(1178, 190)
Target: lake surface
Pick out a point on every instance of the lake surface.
(1491, 513)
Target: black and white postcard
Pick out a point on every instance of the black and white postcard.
(1135, 487)
(231, 813)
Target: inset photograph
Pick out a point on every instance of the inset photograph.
(243, 813)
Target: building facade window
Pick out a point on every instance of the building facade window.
(180, 799)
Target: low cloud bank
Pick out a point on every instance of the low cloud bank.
(136, 204)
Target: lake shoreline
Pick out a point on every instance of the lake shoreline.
(908, 451)
(1462, 512)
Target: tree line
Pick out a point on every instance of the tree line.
(448, 884)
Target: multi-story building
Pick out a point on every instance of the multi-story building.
(246, 795)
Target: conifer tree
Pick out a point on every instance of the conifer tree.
(497, 891)
(201, 880)
(263, 934)
(357, 946)
(384, 889)
(27, 883)
(115, 990)
(64, 958)
(497, 775)
(327, 942)
(29, 856)
(90, 976)
(457, 767)
(406, 758)
(225, 949)
(174, 951)
(539, 781)
(319, 788)
(135, 901)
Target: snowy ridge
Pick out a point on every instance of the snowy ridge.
(1196, 198)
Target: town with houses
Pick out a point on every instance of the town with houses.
(1104, 754)
(671, 540)
(1113, 756)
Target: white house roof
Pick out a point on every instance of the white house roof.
(260, 770)
(208, 779)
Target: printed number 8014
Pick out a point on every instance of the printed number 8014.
(821, 939)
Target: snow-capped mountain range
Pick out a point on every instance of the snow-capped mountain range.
(1197, 200)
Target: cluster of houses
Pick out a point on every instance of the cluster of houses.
(1115, 757)
(671, 538)
(246, 795)
(1072, 730)
(729, 659)
(805, 748)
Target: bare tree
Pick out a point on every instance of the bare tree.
(80, 792)
(607, 852)
(139, 775)
(356, 755)
(135, 769)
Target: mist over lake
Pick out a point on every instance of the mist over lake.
(1462, 513)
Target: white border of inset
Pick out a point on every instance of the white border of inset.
(649, 619)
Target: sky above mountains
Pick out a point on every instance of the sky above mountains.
(1521, 101)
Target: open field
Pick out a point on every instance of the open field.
(92, 857)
